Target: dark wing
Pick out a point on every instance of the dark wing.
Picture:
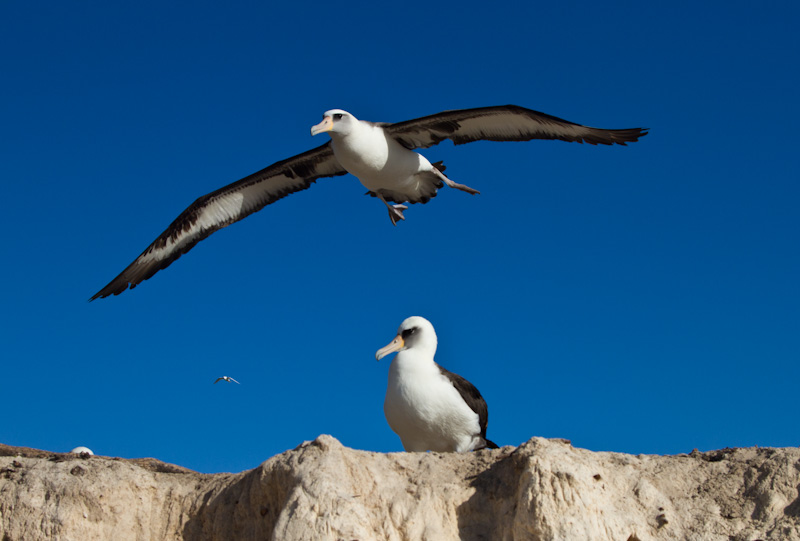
(223, 207)
(471, 396)
(501, 123)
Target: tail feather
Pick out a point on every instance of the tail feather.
(487, 444)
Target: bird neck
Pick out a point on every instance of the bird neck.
(416, 360)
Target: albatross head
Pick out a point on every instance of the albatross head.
(415, 332)
(335, 121)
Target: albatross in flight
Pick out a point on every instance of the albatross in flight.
(430, 408)
(380, 155)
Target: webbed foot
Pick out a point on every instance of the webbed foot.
(396, 212)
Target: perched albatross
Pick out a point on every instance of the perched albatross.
(380, 155)
(430, 408)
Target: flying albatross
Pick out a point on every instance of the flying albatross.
(430, 408)
(380, 155)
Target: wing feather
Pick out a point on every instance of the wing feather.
(223, 207)
(471, 395)
(502, 123)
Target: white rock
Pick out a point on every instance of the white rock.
(543, 490)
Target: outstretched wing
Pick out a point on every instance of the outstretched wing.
(223, 207)
(501, 123)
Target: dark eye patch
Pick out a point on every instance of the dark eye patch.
(409, 332)
(337, 116)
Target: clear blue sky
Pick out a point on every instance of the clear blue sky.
(643, 299)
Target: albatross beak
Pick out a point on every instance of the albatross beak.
(325, 125)
(395, 345)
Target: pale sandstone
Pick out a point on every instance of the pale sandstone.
(542, 490)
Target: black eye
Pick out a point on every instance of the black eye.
(409, 332)
(337, 116)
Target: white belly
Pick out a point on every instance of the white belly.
(379, 162)
(426, 411)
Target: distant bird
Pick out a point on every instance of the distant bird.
(379, 154)
(81, 450)
(226, 378)
(430, 408)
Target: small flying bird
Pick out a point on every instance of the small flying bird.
(379, 154)
(430, 408)
(226, 378)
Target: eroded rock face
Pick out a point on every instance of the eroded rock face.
(542, 490)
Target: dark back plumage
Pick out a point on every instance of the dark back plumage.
(472, 396)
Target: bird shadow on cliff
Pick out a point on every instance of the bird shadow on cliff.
(491, 510)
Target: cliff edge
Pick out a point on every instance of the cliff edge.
(541, 490)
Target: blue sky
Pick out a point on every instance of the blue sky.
(642, 299)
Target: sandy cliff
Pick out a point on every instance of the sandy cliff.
(542, 490)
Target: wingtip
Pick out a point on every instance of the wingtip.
(631, 135)
(111, 289)
(98, 295)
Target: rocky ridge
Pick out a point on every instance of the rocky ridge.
(541, 490)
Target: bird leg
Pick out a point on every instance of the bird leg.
(455, 185)
(395, 211)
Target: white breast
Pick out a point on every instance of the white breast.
(377, 160)
(425, 410)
